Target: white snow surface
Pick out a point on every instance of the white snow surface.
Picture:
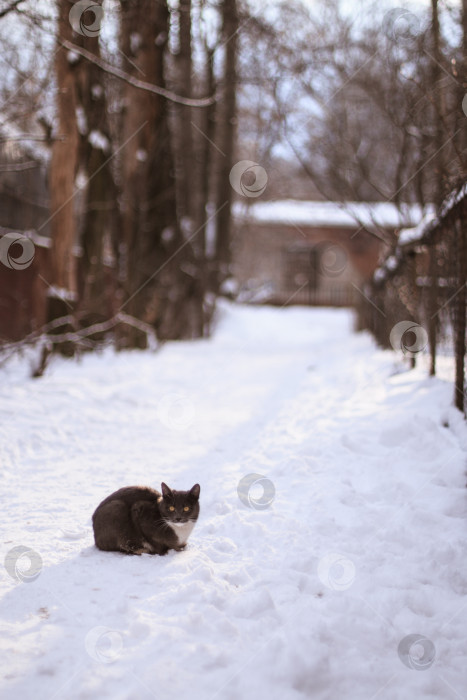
(363, 544)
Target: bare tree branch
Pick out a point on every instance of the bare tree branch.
(10, 8)
(134, 82)
(44, 335)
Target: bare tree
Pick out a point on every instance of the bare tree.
(63, 169)
(226, 123)
(100, 220)
(183, 118)
(161, 281)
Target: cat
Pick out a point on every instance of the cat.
(139, 519)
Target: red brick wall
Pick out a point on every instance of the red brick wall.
(259, 248)
(23, 297)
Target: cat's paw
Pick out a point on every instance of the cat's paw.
(133, 548)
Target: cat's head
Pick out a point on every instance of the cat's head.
(178, 507)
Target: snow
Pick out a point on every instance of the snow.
(409, 236)
(346, 214)
(454, 198)
(314, 596)
(72, 57)
(99, 141)
(136, 41)
(431, 219)
(61, 293)
(81, 120)
(392, 262)
(168, 234)
(18, 143)
(97, 91)
(229, 287)
(379, 275)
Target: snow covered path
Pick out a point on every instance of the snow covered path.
(364, 544)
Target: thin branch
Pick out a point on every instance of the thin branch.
(10, 8)
(134, 82)
(18, 167)
(379, 233)
(78, 337)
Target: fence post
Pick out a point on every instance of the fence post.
(460, 307)
(432, 302)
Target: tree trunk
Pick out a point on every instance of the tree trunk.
(100, 225)
(436, 76)
(205, 159)
(460, 302)
(433, 273)
(63, 168)
(463, 87)
(208, 126)
(188, 173)
(184, 118)
(226, 122)
(160, 285)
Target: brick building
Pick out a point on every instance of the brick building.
(311, 252)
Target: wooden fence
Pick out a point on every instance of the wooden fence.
(417, 298)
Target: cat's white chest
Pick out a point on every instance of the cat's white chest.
(183, 531)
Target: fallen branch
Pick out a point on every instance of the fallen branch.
(81, 338)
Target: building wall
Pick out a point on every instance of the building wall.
(23, 297)
(24, 199)
(329, 262)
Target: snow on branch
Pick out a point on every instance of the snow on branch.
(421, 234)
(10, 8)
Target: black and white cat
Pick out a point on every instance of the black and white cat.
(138, 519)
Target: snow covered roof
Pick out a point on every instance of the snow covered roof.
(340, 214)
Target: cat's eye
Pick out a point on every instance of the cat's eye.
(171, 507)
(186, 508)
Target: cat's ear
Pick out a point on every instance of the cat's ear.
(166, 492)
(194, 491)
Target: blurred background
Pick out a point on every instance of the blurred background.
(157, 154)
